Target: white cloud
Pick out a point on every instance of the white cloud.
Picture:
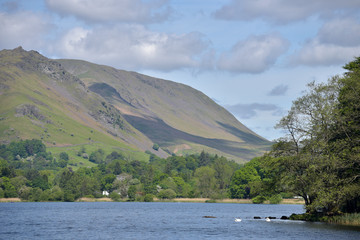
(134, 47)
(337, 42)
(23, 29)
(253, 55)
(316, 53)
(284, 11)
(136, 11)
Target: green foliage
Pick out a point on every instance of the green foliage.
(276, 199)
(156, 147)
(240, 183)
(319, 158)
(259, 199)
(107, 182)
(167, 194)
(26, 148)
(9, 190)
(206, 181)
(97, 156)
(115, 196)
(64, 156)
(132, 193)
(176, 176)
(149, 198)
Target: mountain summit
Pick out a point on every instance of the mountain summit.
(71, 102)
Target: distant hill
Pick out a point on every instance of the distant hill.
(73, 102)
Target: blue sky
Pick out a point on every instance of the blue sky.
(254, 57)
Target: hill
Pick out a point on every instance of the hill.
(71, 103)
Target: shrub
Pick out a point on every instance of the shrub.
(156, 147)
(97, 156)
(132, 193)
(115, 196)
(64, 156)
(148, 198)
(258, 199)
(167, 194)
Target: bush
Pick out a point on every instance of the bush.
(69, 197)
(258, 199)
(167, 194)
(97, 156)
(156, 147)
(62, 163)
(115, 196)
(64, 156)
(132, 193)
(148, 198)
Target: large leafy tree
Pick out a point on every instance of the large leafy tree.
(319, 156)
(346, 138)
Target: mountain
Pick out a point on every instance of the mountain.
(72, 102)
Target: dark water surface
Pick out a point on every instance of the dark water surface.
(103, 220)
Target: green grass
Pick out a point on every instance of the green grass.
(69, 127)
(76, 161)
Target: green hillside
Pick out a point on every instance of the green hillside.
(39, 99)
(69, 104)
(179, 118)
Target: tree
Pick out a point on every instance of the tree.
(149, 198)
(107, 182)
(346, 139)
(167, 194)
(240, 182)
(320, 156)
(132, 193)
(64, 156)
(204, 159)
(156, 147)
(97, 156)
(9, 190)
(223, 172)
(206, 181)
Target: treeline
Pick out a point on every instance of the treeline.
(29, 172)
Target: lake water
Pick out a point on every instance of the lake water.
(114, 220)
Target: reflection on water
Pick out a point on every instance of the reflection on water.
(159, 221)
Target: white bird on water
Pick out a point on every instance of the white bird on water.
(237, 219)
(267, 219)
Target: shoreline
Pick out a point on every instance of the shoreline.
(192, 200)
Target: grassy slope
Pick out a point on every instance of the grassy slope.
(171, 114)
(63, 104)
